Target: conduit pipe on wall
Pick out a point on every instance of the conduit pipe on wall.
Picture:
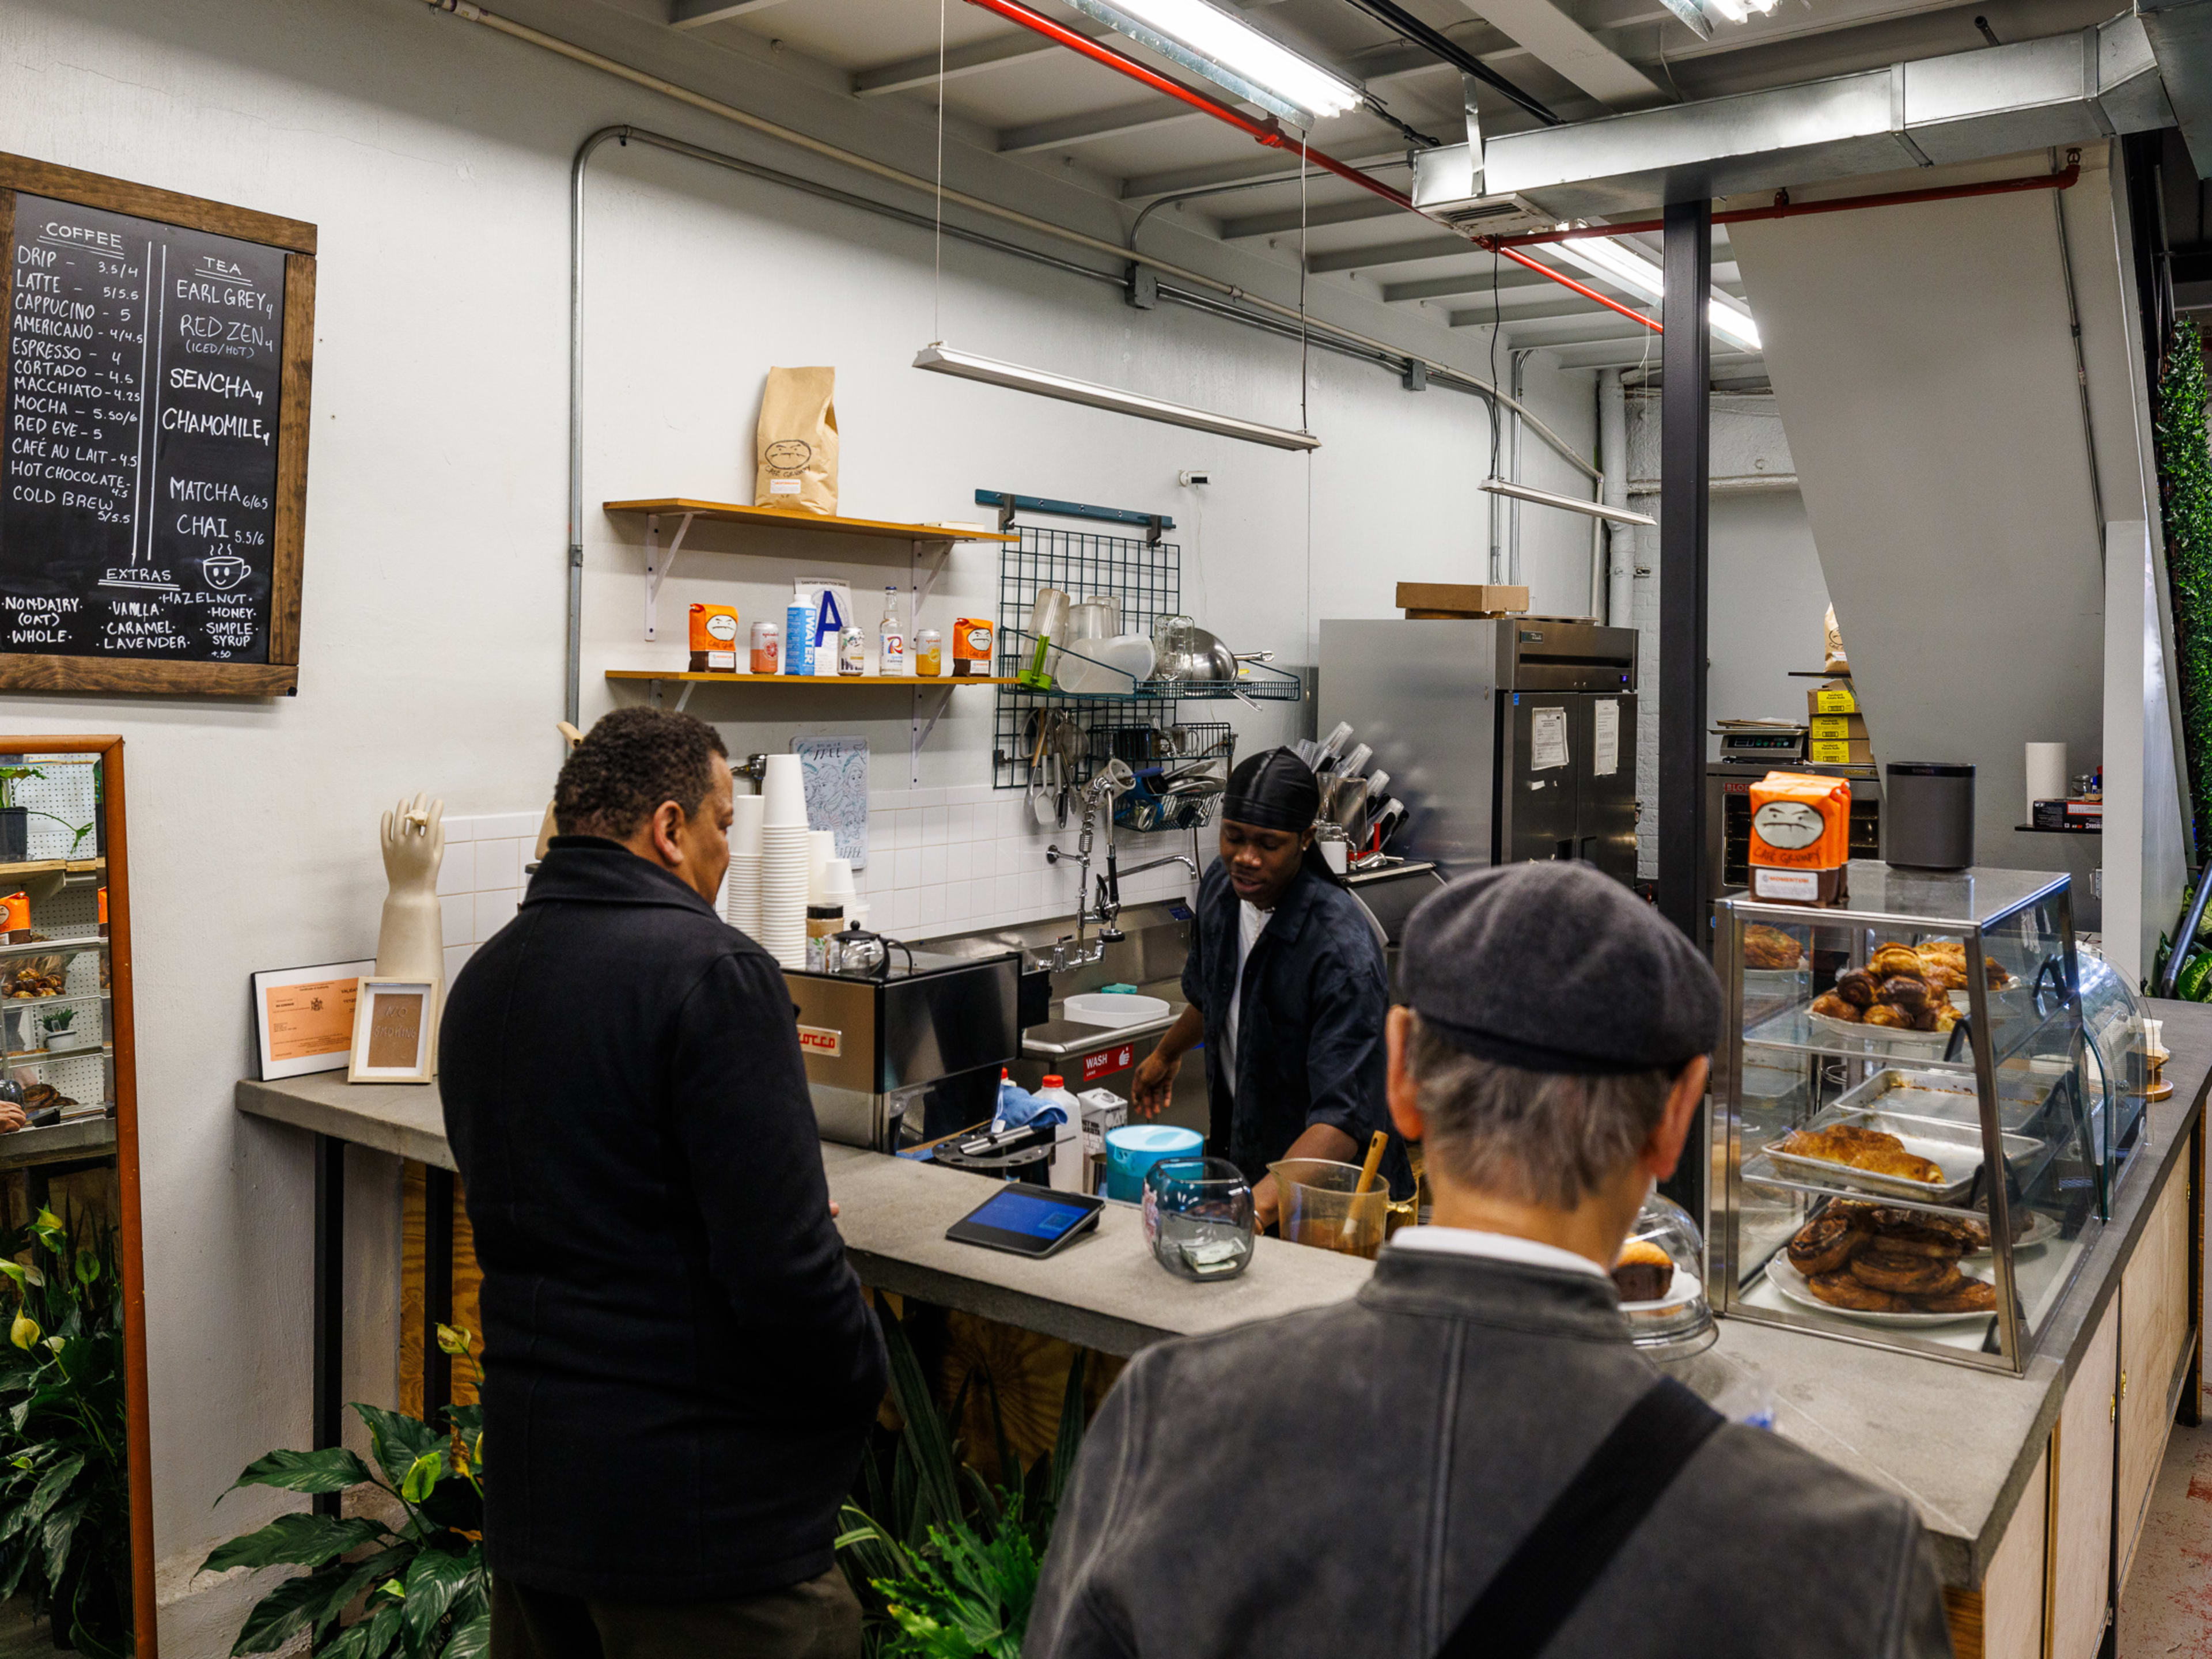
(1437, 372)
(1613, 461)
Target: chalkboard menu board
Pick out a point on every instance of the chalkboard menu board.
(154, 476)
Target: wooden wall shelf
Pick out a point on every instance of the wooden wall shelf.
(779, 519)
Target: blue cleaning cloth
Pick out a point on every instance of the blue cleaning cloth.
(1018, 1106)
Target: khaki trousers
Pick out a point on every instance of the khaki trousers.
(817, 1620)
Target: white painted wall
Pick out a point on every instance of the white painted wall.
(435, 156)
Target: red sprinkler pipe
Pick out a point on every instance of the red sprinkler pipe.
(1267, 132)
(1783, 208)
(1497, 244)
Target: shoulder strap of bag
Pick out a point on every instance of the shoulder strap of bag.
(1544, 1580)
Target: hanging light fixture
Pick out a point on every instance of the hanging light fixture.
(1521, 492)
(941, 359)
(1617, 262)
(1230, 53)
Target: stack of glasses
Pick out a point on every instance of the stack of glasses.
(786, 848)
(744, 881)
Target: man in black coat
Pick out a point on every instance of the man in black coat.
(679, 1365)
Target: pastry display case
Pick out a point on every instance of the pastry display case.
(1923, 1105)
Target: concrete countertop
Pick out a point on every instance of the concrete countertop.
(58, 1142)
(1958, 1444)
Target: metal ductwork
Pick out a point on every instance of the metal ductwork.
(2180, 34)
(2068, 90)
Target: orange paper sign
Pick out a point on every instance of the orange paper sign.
(306, 1020)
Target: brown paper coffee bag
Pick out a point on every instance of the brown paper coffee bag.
(795, 445)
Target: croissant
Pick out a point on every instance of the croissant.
(1856, 986)
(1911, 994)
(1883, 1014)
(1891, 960)
(1834, 1007)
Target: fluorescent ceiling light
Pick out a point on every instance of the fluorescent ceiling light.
(1614, 260)
(941, 359)
(1734, 10)
(1521, 492)
(1230, 53)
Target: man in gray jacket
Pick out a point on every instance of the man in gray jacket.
(1469, 1458)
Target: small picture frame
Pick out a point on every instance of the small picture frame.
(303, 1018)
(395, 1031)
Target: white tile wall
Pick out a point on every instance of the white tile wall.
(949, 860)
(480, 879)
(940, 861)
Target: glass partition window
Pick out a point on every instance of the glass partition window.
(1917, 1139)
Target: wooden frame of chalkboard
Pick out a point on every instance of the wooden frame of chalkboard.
(101, 589)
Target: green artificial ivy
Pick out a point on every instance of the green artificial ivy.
(2185, 475)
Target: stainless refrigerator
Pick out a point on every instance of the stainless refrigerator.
(1509, 739)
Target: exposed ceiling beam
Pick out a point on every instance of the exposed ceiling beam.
(1627, 354)
(1388, 253)
(1335, 213)
(1251, 169)
(1473, 282)
(697, 14)
(959, 62)
(1089, 128)
(1535, 308)
(1568, 49)
(1587, 326)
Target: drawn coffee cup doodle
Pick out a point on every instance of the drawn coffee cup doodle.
(223, 570)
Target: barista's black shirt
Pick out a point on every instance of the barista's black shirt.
(679, 1368)
(1308, 1029)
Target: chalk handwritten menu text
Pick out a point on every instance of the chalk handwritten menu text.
(144, 382)
(157, 355)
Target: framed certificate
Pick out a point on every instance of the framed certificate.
(303, 1018)
(395, 1028)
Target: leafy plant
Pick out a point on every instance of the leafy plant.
(945, 1564)
(12, 775)
(64, 1469)
(2184, 480)
(421, 1586)
(59, 1019)
(9, 777)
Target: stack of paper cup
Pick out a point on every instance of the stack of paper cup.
(2046, 774)
(821, 847)
(786, 845)
(743, 912)
(836, 885)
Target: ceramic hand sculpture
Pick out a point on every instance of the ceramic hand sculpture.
(410, 942)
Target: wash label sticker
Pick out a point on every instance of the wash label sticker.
(1107, 1061)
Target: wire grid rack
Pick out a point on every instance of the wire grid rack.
(1145, 580)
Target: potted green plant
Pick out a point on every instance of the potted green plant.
(64, 1470)
(15, 820)
(62, 1034)
(421, 1586)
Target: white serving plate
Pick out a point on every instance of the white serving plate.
(1687, 1288)
(1791, 1284)
(1111, 1010)
(2041, 1229)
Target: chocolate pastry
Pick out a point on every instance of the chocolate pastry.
(1857, 987)
(1969, 1295)
(1834, 1007)
(1928, 1018)
(1883, 1014)
(1643, 1272)
(1827, 1242)
(1903, 1275)
(1907, 993)
(1841, 1290)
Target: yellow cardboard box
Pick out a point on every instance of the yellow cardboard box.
(1838, 728)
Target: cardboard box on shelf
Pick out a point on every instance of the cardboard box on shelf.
(1461, 598)
(1838, 728)
(1834, 698)
(1855, 752)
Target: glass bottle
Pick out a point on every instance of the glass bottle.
(891, 637)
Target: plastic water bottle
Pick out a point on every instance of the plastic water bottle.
(799, 633)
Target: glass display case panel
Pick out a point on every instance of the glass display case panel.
(1913, 1145)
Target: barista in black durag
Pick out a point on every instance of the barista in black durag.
(1287, 991)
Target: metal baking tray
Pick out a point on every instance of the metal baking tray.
(1955, 1148)
(1950, 1097)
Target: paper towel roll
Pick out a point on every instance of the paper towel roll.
(2046, 774)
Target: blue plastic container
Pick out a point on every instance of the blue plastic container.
(1135, 1147)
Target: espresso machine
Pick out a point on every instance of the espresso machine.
(910, 1048)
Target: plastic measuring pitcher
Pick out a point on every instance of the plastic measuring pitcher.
(1318, 1205)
